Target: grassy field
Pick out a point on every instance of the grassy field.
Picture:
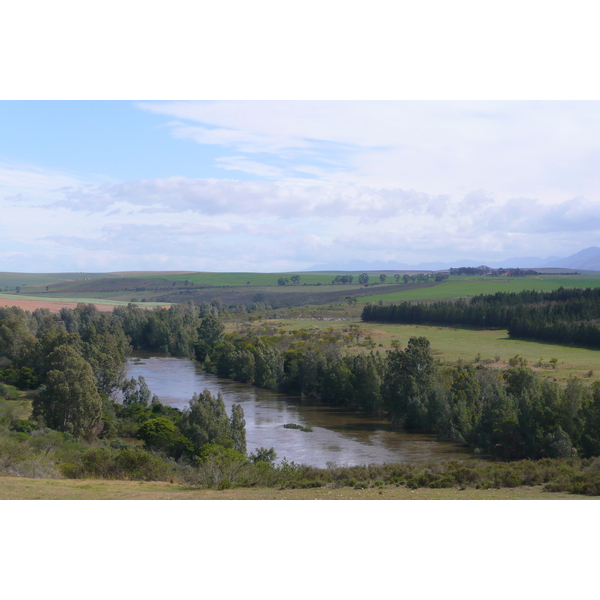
(314, 288)
(269, 279)
(162, 290)
(451, 345)
(20, 488)
(12, 280)
(458, 287)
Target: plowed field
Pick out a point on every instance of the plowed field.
(55, 307)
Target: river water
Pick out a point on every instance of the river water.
(338, 435)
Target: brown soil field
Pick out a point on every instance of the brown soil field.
(55, 307)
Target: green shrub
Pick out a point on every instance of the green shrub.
(23, 426)
(218, 466)
(72, 470)
(587, 484)
(299, 427)
(307, 484)
(509, 480)
(138, 464)
(559, 485)
(265, 455)
(98, 462)
(443, 482)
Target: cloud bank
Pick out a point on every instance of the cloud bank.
(301, 183)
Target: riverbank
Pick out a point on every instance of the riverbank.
(338, 435)
(21, 488)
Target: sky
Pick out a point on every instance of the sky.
(257, 137)
(283, 185)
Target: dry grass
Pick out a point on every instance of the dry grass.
(21, 407)
(17, 488)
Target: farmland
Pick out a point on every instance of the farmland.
(316, 288)
(231, 288)
(462, 287)
(316, 303)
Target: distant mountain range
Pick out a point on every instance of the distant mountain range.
(585, 260)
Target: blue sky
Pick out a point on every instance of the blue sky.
(283, 185)
(113, 139)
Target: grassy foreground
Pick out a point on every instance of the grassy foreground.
(20, 488)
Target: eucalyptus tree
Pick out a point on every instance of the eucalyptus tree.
(70, 401)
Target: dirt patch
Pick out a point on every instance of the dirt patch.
(54, 307)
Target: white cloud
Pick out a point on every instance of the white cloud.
(210, 224)
(458, 197)
(274, 200)
(546, 150)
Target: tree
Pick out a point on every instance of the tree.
(295, 279)
(405, 278)
(397, 278)
(136, 392)
(158, 433)
(70, 401)
(106, 356)
(262, 454)
(407, 381)
(237, 424)
(206, 422)
(211, 330)
(210, 334)
(363, 279)
(382, 277)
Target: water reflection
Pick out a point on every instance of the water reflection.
(338, 435)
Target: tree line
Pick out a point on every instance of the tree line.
(559, 316)
(75, 360)
(511, 414)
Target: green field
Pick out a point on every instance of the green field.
(267, 279)
(459, 287)
(12, 280)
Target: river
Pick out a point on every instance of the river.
(338, 435)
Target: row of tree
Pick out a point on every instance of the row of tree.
(560, 316)
(483, 270)
(513, 414)
(78, 357)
